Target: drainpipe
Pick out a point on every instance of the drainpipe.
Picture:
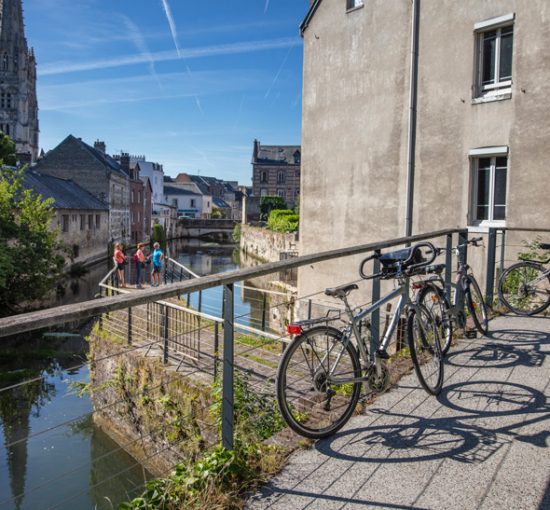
(413, 96)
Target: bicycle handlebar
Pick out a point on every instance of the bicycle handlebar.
(474, 241)
(408, 269)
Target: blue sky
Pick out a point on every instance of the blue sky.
(188, 83)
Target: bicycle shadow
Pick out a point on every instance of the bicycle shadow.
(413, 438)
(514, 348)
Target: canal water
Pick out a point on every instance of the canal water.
(51, 454)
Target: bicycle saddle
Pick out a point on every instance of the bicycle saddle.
(544, 246)
(341, 291)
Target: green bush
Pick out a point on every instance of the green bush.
(237, 233)
(270, 203)
(158, 236)
(283, 220)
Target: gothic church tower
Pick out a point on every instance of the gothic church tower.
(18, 104)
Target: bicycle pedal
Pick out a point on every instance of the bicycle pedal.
(382, 354)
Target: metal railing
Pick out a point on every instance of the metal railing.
(153, 298)
(494, 247)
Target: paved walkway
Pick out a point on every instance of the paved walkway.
(483, 443)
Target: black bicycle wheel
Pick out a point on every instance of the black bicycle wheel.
(434, 299)
(525, 288)
(313, 396)
(476, 305)
(425, 349)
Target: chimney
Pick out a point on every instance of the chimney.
(256, 150)
(124, 160)
(100, 146)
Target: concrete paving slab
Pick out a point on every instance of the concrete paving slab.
(483, 443)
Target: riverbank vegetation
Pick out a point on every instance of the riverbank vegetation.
(31, 255)
(217, 478)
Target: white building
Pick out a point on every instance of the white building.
(188, 203)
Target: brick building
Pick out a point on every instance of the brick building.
(276, 171)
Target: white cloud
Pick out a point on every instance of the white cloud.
(191, 53)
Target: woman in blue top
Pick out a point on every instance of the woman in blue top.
(157, 257)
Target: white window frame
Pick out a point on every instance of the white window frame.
(497, 88)
(354, 4)
(475, 155)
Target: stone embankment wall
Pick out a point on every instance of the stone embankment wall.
(266, 245)
(156, 414)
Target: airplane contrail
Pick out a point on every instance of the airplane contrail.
(172, 25)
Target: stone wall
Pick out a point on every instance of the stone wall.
(266, 245)
(155, 413)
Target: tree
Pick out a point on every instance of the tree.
(158, 236)
(31, 256)
(270, 203)
(7, 150)
(217, 214)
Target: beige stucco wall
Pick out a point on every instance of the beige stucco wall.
(355, 114)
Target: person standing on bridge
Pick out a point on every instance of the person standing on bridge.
(158, 256)
(120, 261)
(139, 259)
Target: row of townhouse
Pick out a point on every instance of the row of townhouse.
(197, 196)
(131, 194)
(124, 193)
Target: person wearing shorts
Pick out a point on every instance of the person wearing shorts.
(140, 265)
(157, 258)
(120, 261)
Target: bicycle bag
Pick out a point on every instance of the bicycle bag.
(391, 261)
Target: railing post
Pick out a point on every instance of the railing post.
(228, 369)
(491, 259)
(309, 309)
(375, 316)
(216, 348)
(502, 249)
(263, 310)
(165, 354)
(165, 276)
(148, 320)
(200, 301)
(462, 239)
(448, 266)
(130, 326)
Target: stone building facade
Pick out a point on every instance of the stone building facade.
(98, 173)
(276, 171)
(18, 104)
(81, 219)
(482, 138)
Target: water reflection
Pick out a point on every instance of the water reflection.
(42, 464)
(251, 306)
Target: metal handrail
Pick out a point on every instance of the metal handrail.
(54, 316)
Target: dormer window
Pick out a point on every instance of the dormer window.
(297, 158)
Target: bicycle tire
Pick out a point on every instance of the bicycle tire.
(435, 300)
(516, 292)
(476, 305)
(425, 349)
(302, 391)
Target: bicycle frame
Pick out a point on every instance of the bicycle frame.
(370, 359)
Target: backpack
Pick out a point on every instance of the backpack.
(135, 258)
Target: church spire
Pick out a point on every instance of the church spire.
(18, 103)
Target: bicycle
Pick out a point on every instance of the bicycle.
(525, 286)
(321, 372)
(431, 293)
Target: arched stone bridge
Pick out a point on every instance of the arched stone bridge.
(219, 228)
